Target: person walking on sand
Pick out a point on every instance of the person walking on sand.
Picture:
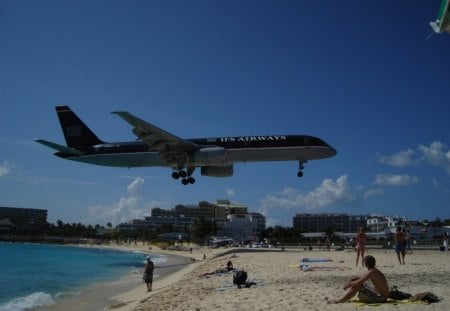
(148, 273)
(378, 294)
(399, 238)
(360, 240)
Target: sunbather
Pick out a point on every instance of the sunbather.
(228, 267)
(378, 294)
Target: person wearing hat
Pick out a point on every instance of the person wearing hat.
(148, 273)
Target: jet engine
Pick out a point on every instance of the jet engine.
(217, 171)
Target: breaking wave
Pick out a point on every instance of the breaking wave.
(31, 301)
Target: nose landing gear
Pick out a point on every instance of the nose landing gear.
(300, 168)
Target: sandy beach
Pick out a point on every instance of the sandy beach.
(282, 285)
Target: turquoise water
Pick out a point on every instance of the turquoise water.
(35, 275)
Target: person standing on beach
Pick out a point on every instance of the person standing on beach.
(366, 294)
(361, 240)
(445, 241)
(400, 244)
(148, 273)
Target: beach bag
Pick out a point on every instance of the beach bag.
(239, 278)
(398, 295)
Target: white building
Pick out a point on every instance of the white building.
(244, 227)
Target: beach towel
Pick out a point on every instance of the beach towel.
(315, 260)
(306, 268)
(421, 298)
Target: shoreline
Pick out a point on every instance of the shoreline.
(281, 285)
(129, 291)
(131, 299)
(124, 292)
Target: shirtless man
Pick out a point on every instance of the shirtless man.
(400, 244)
(378, 294)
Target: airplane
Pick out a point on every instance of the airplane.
(157, 147)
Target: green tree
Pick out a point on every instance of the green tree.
(203, 229)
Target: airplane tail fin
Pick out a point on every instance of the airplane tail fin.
(76, 133)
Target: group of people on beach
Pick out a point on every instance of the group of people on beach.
(401, 239)
(380, 290)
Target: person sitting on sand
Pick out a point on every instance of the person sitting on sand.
(228, 267)
(378, 294)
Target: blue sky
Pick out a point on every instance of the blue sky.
(362, 75)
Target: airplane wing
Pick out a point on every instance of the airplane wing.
(172, 148)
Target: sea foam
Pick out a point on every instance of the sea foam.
(22, 303)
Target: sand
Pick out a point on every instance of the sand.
(281, 285)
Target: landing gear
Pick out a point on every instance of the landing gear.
(300, 168)
(185, 176)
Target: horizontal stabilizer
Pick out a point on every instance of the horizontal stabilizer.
(61, 148)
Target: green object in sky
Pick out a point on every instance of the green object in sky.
(442, 22)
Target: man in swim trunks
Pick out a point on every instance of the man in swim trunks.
(148, 273)
(400, 244)
(380, 291)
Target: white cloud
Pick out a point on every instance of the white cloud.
(136, 187)
(4, 169)
(127, 208)
(395, 180)
(373, 192)
(436, 155)
(329, 193)
(400, 159)
(230, 192)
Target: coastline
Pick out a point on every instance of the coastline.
(136, 296)
(281, 285)
(127, 289)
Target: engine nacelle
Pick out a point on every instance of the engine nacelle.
(208, 156)
(217, 171)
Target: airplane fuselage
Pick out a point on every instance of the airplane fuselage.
(221, 151)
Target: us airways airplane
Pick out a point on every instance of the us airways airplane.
(156, 147)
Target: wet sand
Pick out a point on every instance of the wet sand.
(101, 296)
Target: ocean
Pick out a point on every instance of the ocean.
(33, 275)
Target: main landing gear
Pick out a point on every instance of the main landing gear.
(185, 176)
(300, 168)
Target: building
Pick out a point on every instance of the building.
(334, 222)
(243, 227)
(231, 219)
(23, 220)
(378, 223)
